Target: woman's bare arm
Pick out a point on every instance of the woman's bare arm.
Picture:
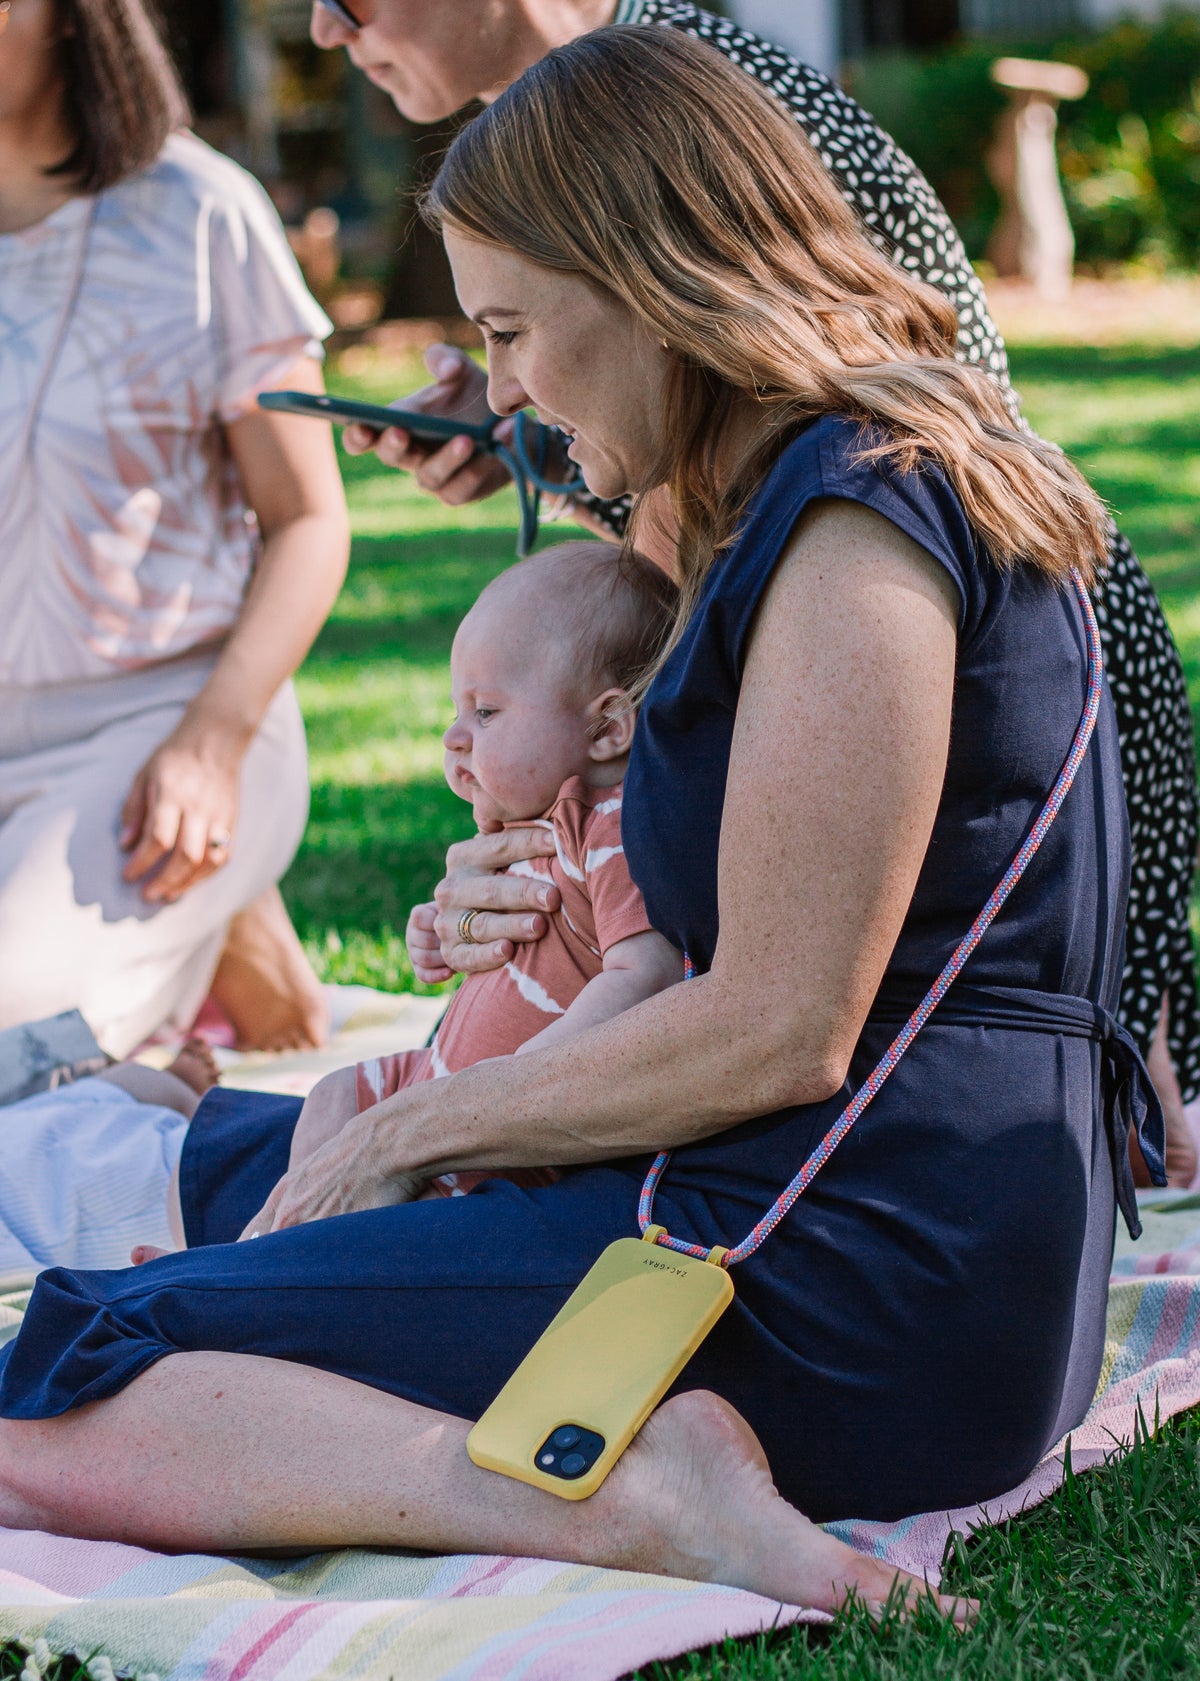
(838, 760)
(187, 790)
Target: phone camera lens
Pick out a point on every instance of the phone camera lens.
(569, 1451)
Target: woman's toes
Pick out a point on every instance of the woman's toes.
(696, 1487)
(884, 1590)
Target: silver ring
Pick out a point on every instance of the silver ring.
(219, 841)
(464, 928)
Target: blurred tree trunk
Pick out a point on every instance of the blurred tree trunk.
(420, 283)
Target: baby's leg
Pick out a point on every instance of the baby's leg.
(179, 1087)
(329, 1105)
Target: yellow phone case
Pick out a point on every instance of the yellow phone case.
(601, 1366)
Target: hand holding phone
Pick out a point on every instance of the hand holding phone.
(450, 471)
(502, 449)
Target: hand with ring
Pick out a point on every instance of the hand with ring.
(479, 914)
(180, 815)
(464, 927)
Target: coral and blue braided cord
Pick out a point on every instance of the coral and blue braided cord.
(932, 998)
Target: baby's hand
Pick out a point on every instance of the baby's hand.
(143, 1252)
(424, 947)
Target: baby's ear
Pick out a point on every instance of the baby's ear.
(611, 717)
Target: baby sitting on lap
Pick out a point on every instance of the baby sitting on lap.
(541, 670)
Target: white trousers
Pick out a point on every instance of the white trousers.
(73, 935)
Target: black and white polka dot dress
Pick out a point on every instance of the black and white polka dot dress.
(904, 218)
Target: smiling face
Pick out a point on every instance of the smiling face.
(431, 58)
(573, 352)
(522, 725)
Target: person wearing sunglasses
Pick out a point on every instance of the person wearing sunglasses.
(167, 550)
(432, 60)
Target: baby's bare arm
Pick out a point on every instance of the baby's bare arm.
(329, 1105)
(634, 970)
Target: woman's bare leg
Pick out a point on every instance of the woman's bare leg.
(1181, 1147)
(265, 983)
(231, 1451)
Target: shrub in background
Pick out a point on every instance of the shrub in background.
(1129, 150)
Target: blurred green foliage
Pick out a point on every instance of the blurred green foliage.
(1129, 149)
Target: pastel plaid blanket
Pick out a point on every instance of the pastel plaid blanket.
(374, 1615)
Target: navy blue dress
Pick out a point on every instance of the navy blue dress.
(930, 1317)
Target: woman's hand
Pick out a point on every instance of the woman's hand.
(180, 814)
(348, 1174)
(179, 817)
(510, 907)
(454, 472)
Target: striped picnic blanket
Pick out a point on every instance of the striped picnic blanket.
(372, 1615)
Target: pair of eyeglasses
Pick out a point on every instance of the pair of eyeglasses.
(342, 13)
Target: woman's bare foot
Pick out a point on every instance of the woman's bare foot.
(265, 984)
(1181, 1146)
(693, 1497)
(196, 1066)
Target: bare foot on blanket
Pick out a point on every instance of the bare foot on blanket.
(196, 1066)
(265, 984)
(693, 1497)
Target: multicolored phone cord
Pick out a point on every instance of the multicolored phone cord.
(928, 1004)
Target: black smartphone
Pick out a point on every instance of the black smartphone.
(429, 428)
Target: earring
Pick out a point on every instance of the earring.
(5, 8)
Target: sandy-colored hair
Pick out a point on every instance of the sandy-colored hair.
(614, 608)
(642, 160)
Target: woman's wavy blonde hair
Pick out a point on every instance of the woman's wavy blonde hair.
(642, 160)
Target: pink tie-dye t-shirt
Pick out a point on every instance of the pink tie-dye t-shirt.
(124, 539)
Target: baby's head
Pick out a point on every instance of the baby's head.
(540, 673)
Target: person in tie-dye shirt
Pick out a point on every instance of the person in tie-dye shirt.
(541, 670)
(168, 551)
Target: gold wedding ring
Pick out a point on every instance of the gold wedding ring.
(464, 928)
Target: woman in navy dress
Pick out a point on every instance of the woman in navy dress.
(876, 685)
